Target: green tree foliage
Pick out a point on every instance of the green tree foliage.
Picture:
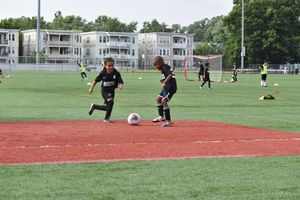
(155, 26)
(208, 49)
(71, 22)
(105, 23)
(22, 23)
(199, 29)
(272, 30)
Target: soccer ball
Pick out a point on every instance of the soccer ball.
(134, 119)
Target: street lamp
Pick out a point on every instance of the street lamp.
(38, 33)
(243, 49)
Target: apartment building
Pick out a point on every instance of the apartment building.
(57, 46)
(9, 46)
(123, 47)
(173, 47)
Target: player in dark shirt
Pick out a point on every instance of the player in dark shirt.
(111, 79)
(169, 88)
(201, 71)
(206, 76)
(1, 73)
(234, 73)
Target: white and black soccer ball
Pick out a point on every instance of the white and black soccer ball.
(134, 119)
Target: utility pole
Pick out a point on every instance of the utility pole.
(38, 34)
(243, 49)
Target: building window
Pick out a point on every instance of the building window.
(87, 40)
(100, 52)
(100, 39)
(104, 39)
(9, 36)
(133, 52)
(13, 37)
(164, 40)
(104, 52)
(160, 52)
(88, 52)
(133, 40)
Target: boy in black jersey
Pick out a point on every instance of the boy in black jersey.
(111, 79)
(206, 76)
(169, 87)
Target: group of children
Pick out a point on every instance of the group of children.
(111, 79)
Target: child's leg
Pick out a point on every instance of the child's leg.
(160, 106)
(166, 110)
(109, 108)
(82, 76)
(85, 76)
(203, 83)
(208, 82)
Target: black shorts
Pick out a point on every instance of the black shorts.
(108, 95)
(264, 77)
(167, 94)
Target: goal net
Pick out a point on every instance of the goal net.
(192, 66)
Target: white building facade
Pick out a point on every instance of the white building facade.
(57, 46)
(9, 46)
(122, 47)
(173, 47)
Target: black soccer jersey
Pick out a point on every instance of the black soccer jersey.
(206, 72)
(165, 72)
(110, 81)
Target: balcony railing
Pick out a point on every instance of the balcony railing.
(59, 43)
(118, 44)
(4, 54)
(4, 42)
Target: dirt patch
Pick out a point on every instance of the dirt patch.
(94, 141)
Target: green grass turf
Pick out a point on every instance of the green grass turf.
(243, 178)
(59, 96)
(62, 96)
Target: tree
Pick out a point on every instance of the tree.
(22, 23)
(155, 26)
(71, 22)
(272, 31)
(105, 23)
(198, 28)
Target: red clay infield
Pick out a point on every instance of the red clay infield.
(94, 141)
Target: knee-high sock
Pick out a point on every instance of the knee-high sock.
(100, 107)
(167, 113)
(109, 108)
(160, 110)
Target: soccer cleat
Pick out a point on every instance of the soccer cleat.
(107, 121)
(167, 123)
(200, 88)
(159, 119)
(91, 109)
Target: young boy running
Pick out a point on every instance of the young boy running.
(111, 79)
(169, 87)
(82, 71)
(206, 76)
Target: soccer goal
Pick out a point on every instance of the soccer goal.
(192, 66)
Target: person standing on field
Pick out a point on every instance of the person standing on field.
(264, 73)
(82, 71)
(201, 71)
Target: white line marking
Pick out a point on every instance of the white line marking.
(150, 143)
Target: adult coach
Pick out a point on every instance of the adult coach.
(264, 73)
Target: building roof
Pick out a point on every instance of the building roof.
(109, 33)
(53, 31)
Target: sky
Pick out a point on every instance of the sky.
(182, 12)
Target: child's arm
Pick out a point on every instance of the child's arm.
(165, 82)
(91, 90)
(120, 82)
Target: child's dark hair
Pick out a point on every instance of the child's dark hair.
(207, 64)
(107, 60)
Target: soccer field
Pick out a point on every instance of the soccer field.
(30, 96)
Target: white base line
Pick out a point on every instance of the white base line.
(144, 143)
(140, 159)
